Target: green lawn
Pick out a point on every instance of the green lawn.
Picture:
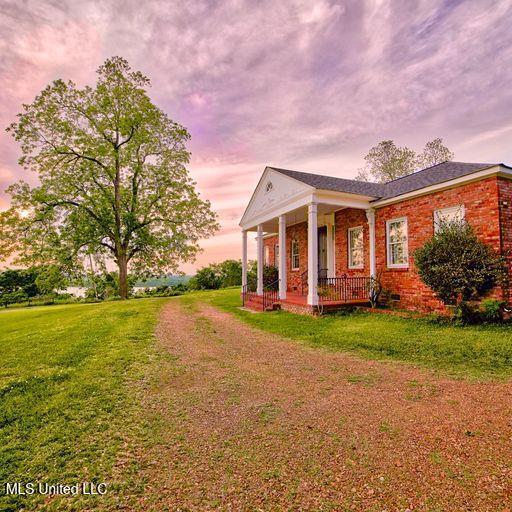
(72, 377)
(473, 351)
(68, 395)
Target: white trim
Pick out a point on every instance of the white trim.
(291, 254)
(245, 223)
(500, 170)
(312, 299)
(443, 211)
(370, 217)
(266, 255)
(331, 252)
(259, 260)
(349, 253)
(294, 203)
(388, 252)
(244, 259)
(282, 260)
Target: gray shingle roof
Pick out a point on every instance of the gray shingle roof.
(439, 173)
(338, 184)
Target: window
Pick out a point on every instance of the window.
(295, 255)
(355, 247)
(276, 255)
(267, 255)
(397, 247)
(447, 215)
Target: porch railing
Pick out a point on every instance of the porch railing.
(322, 274)
(249, 292)
(267, 300)
(344, 288)
(270, 294)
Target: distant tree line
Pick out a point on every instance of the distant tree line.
(24, 285)
(47, 284)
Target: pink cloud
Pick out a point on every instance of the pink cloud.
(301, 84)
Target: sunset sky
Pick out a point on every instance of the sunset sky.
(307, 85)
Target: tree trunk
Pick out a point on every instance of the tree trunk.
(123, 276)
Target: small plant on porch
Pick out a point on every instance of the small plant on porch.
(458, 266)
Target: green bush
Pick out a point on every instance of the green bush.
(467, 313)
(492, 310)
(457, 265)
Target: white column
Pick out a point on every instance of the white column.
(282, 257)
(259, 260)
(244, 259)
(312, 255)
(370, 215)
(331, 270)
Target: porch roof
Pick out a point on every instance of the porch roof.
(286, 191)
(323, 182)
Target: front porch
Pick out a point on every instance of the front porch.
(333, 294)
(302, 232)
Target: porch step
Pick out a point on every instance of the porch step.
(256, 302)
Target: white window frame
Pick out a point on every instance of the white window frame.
(349, 246)
(449, 209)
(388, 244)
(295, 241)
(276, 255)
(266, 256)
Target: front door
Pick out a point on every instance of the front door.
(322, 251)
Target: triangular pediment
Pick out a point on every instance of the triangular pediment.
(272, 190)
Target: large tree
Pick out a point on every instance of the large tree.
(112, 179)
(386, 161)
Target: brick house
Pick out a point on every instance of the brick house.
(337, 233)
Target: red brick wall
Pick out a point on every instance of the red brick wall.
(488, 207)
(480, 200)
(297, 232)
(343, 220)
(271, 243)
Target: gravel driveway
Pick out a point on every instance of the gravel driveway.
(252, 421)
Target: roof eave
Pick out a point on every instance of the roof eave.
(484, 172)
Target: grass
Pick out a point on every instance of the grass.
(71, 378)
(481, 352)
(68, 399)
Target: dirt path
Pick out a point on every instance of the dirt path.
(256, 422)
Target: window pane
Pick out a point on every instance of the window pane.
(397, 231)
(447, 215)
(356, 255)
(398, 253)
(295, 254)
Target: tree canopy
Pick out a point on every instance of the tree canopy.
(386, 161)
(112, 179)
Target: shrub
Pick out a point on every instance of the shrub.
(467, 313)
(492, 310)
(457, 265)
